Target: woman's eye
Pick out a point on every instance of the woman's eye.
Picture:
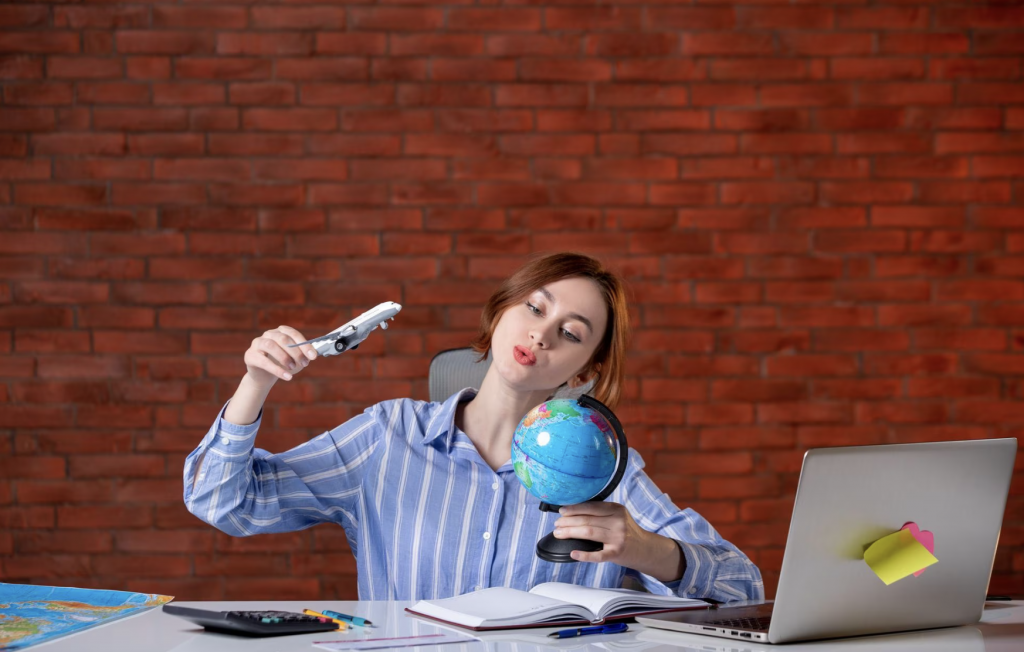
(569, 336)
(533, 308)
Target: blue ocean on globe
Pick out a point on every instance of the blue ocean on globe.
(564, 453)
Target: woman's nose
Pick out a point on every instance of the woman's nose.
(538, 338)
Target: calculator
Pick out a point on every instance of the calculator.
(253, 623)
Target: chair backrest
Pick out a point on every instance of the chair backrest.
(457, 369)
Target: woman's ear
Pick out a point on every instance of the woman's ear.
(585, 376)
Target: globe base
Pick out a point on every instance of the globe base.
(558, 550)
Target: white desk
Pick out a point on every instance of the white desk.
(1001, 630)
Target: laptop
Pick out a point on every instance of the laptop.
(846, 499)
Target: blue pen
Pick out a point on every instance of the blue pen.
(616, 628)
(355, 620)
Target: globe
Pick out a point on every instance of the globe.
(564, 452)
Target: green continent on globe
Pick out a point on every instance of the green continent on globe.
(523, 474)
(551, 410)
(564, 453)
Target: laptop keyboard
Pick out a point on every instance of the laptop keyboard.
(760, 623)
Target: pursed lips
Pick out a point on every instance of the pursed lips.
(524, 355)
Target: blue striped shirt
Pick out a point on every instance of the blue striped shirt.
(425, 515)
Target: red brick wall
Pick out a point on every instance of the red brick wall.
(818, 207)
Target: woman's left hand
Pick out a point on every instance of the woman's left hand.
(625, 543)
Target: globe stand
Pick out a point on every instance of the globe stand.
(559, 551)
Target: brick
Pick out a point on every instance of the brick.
(512, 45)
(264, 44)
(596, 19)
(101, 169)
(50, 342)
(213, 119)
(262, 93)
(52, 42)
(166, 144)
(909, 364)
(336, 69)
(824, 43)
(148, 67)
(997, 166)
(298, 18)
(437, 45)
(59, 542)
(997, 42)
(924, 43)
(901, 412)
(290, 119)
(36, 467)
(351, 43)
(255, 144)
(140, 119)
(61, 292)
(730, 487)
(15, 16)
(980, 290)
(233, 68)
(164, 42)
(540, 95)
(965, 192)
(143, 566)
(952, 387)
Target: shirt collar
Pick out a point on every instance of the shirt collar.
(444, 424)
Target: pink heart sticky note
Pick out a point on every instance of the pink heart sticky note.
(924, 537)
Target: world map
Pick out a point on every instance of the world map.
(563, 452)
(30, 615)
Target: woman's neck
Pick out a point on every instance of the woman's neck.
(491, 418)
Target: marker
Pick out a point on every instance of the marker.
(342, 625)
(616, 628)
(355, 620)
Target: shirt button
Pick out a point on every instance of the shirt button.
(487, 535)
(477, 587)
(494, 486)
(225, 441)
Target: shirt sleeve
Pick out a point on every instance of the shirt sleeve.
(242, 490)
(715, 568)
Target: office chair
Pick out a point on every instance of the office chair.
(457, 369)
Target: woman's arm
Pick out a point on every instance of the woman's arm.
(243, 490)
(267, 359)
(673, 550)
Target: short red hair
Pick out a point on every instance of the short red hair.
(610, 353)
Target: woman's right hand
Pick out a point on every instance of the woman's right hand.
(269, 358)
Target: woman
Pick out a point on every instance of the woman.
(426, 491)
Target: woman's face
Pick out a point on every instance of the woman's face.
(550, 336)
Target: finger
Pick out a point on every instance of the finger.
(583, 532)
(275, 353)
(576, 521)
(307, 349)
(261, 361)
(596, 557)
(285, 340)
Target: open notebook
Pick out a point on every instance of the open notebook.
(547, 605)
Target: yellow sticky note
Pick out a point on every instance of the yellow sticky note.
(897, 555)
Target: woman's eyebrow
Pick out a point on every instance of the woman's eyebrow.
(586, 322)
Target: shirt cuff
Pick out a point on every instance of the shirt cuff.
(231, 439)
(687, 585)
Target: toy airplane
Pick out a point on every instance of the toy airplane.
(352, 334)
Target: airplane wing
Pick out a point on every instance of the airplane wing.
(333, 337)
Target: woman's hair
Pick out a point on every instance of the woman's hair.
(610, 353)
